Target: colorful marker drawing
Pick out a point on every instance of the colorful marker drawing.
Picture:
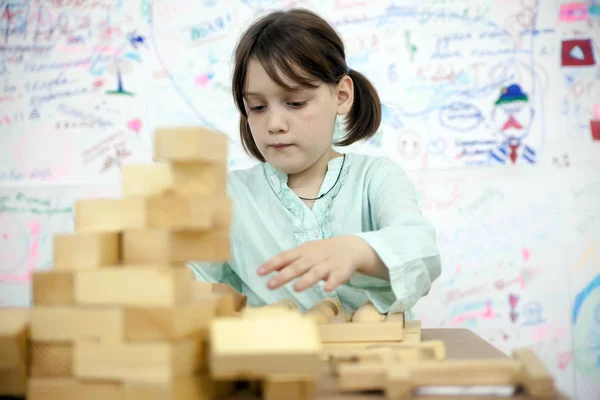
(573, 12)
(512, 117)
(577, 53)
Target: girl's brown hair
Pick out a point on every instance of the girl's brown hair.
(305, 48)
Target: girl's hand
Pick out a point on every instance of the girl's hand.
(333, 260)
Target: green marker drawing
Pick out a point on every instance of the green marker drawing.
(412, 49)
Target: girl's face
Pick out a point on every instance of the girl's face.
(293, 130)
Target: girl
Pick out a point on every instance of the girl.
(314, 221)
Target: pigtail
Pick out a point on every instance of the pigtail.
(364, 118)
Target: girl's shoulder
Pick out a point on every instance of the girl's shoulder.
(369, 164)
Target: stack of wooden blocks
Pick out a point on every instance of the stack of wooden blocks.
(120, 316)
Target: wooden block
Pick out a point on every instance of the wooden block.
(134, 286)
(193, 387)
(367, 313)
(429, 350)
(86, 250)
(233, 300)
(464, 372)
(52, 288)
(362, 332)
(14, 329)
(138, 362)
(13, 382)
(363, 376)
(51, 360)
(185, 144)
(110, 215)
(195, 212)
(537, 380)
(412, 331)
(67, 324)
(396, 317)
(172, 211)
(72, 389)
(229, 300)
(398, 384)
(170, 323)
(281, 342)
(182, 178)
(284, 387)
(162, 246)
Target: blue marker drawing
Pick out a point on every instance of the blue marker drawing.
(586, 328)
(460, 116)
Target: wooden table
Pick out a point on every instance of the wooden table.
(460, 344)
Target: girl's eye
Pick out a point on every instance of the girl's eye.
(257, 108)
(297, 104)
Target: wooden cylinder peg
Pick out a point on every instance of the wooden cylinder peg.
(368, 313)
(325, 310)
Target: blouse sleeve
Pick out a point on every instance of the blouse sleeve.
(404, 240)
(216, 273)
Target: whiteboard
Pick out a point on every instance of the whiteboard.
(83, 84)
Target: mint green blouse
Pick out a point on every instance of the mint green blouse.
(373, 199)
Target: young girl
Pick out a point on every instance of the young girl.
(310, 222)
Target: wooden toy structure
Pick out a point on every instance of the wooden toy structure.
(121, 317)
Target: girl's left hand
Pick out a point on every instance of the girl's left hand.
(333, 260)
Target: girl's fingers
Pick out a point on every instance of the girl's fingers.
(311, 278)
(288, 273)
(278, 262)
(335, 279)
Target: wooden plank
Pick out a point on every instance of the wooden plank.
(193, 387)
(53, 288)
(86, 250)
(14, 329)
(281, 342)
(141, 246)
(182, 178)
(189, 144)
(51, 360)
(141, 362)
(72, 389)
(134, 286)
(361, 332)
(67, 324)
(170, 323)
(537, 380)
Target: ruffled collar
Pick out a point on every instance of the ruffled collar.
(278, 180)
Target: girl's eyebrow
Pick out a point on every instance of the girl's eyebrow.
(293, 90)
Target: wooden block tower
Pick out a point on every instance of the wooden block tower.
(120, 316)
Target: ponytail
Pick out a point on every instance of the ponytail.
(364, 118)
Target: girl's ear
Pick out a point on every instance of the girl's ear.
(345, 95)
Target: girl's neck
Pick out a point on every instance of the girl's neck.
(311, 178)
